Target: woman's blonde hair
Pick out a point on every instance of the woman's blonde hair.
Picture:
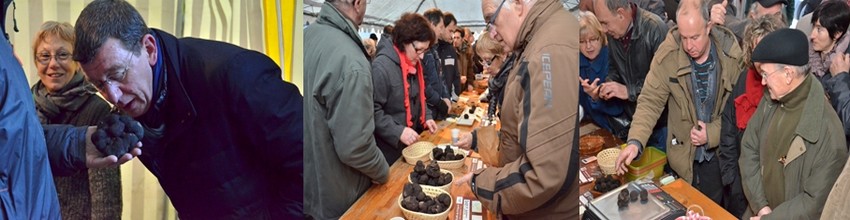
(759, 27)
(486, 44)
(588, 22)
(63, 30)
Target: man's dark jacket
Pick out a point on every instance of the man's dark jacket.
(232, 142)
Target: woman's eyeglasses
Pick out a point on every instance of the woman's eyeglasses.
(61, 57)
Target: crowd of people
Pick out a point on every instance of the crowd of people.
(371, 98)
(750, 111)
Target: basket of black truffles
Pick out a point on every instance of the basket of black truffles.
(424, 203)
(448, 157)
(605, 184)
(117, 134)
(431, 176)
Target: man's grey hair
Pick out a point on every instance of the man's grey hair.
(801, 70)
(782, 10)
(507, 4)
(613, 5)
(704, 8)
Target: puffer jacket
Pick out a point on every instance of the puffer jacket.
(669, 85)
(630, 67)
(539, 132)
(450, 70)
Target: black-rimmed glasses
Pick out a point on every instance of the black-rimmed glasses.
(495, 14)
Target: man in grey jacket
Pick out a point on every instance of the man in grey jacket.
(341, 157)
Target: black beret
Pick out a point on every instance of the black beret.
(783, 46)
(768, 3)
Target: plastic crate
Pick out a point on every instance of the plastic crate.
(651, 160)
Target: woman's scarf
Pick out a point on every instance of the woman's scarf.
(69, 98)
(746, 104)
(408, 68)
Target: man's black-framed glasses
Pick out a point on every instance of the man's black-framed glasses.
(495, 14)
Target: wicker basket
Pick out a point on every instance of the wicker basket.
(607, 160)
(446, 187)
(590, 145)
(417, 151)
(449, 164)
(432, 192)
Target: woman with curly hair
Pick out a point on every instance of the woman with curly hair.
(399, 86)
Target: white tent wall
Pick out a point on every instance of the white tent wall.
(237, 22)
(383, 12)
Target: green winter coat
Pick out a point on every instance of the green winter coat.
(340, 156)
(814, 160)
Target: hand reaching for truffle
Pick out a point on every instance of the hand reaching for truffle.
(464, 179)
(96, 159)
(432, 126)
(465, 141)
(408, 136)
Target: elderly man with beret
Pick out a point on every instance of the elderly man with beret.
(794, 147)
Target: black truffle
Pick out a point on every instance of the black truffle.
(623, 198)
(116, 135)
(444, 199)
(633, 195)
(433, 170)
(420, 167)
(410, 203)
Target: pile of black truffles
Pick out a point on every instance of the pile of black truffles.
(606, 183)
(414, 199)
(429, 175)
(445, 154)
(116, 134)
(627, 196)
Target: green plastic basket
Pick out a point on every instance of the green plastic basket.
(651, 160)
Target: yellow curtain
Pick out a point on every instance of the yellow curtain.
(284, 37)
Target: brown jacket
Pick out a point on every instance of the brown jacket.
(539, 123)
(668, 83)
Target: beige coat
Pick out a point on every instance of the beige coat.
(668, 83)
(539, 123)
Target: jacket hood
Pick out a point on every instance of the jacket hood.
(539, 13)
(332, 17)
(385, 49)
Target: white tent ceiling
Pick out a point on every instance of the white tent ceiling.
(383, 12)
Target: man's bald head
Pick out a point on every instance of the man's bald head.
(693, 9)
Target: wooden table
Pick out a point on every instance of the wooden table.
(381, 201)
(679, 189)
(688, 195)
(610, 142)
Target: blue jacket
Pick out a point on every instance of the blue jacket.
(599, 110)
(26, 180)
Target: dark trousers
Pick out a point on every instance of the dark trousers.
(733, 198)
(707, 179)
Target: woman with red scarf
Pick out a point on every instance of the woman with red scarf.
(399, 86)
(740, 107)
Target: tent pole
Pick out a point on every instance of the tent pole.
(420, 6)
